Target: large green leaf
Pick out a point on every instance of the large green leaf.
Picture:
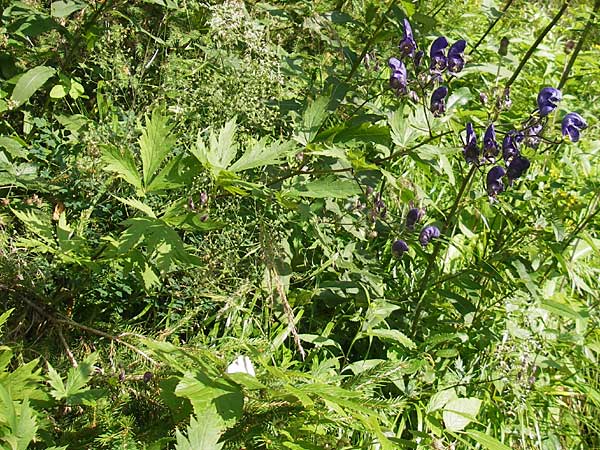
(458, 413)
(122, 164)
(221, 149)
(217, 395)
(77, 379)
(203, 433)
(262, 154)
(65, 8)
(313, 118)
(155, 144)
(327, 187)
(30, 82)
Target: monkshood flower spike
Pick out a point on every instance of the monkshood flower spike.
(399, 247)
(547, 100)
(572, 124)
(494, 181)
(490, 145)
(428, 233)
(438, 101)
(407, 45)
(399, 77)
(456, 60)
(470, 150)
(437, 55)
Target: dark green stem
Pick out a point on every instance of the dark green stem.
(537, 42)
(586, 32)
(492, 25)
(436, 250)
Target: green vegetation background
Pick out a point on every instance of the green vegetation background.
(185, 185)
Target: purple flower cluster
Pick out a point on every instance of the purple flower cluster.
(427, 234)
(516, 165)
(452, 61)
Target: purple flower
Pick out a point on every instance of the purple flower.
(398, 80)
(510, 145)
(438, 101)
(490, 146)
(456, 61)
(437, 55)
(517, 167)
(470, 150)
(494, 181)
(413, 216)
(399, 247)
(547, 100)
(407, 45)
(532, 135)
(428, 233)
(572, 124)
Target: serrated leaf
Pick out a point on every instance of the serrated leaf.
(393, 335)
(460, 412)
(203, 433)
(217, 395)
(122, 164)
(178, 172)
(155, 144)
(488, 442)
(30, 82)
(77, 378)
(327, 187)
(221, 149)
(312, 119)
(39, 224)
(137, 204)
(262, 154)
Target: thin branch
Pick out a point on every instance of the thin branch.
(537, 42)
(578, 47)
(67, 349)
(492, 25)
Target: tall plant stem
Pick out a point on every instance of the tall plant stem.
(370, 41)
(537, 42)
(436, 250)
(491, 27)
(578, 47)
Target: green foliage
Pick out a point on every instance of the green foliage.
(199, 202)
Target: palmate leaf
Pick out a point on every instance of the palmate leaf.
(20, 420)
(203, 433)
(262, 154)
(77, 378)
(221, 149)
(156, 143)
(40, 225)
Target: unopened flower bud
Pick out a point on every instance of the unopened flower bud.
(503, 49)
